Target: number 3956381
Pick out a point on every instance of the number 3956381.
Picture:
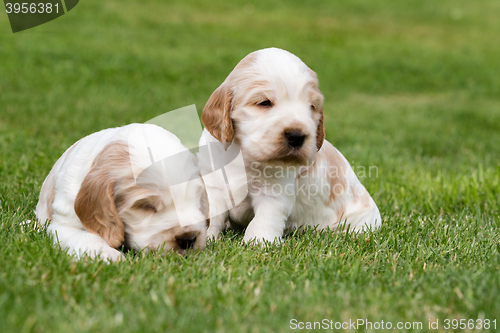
(31, 8)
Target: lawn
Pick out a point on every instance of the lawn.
(412, 88)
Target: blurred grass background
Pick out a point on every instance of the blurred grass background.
(411, 87)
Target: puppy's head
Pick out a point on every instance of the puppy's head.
(271, 106)
(113, 205)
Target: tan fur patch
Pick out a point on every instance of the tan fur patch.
(95, 202)
(320, 132)
(216, 116)
(336, 171)
(316, 95)
(364, 198)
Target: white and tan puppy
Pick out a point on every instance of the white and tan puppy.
(112, 188)
(271, 107)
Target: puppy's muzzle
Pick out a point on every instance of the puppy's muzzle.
(295, 138)
(186, 241)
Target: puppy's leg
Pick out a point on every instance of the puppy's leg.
(270, 219)
(217, 225)
(78, 241)
(217, 204)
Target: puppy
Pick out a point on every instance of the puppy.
(271, 107)
(115, 188)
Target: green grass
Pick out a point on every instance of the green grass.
(411, 87)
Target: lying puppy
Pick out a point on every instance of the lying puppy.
(271, 107)
(107, 191)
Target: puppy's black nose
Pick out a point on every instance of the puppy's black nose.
(185, 241)
(295, 138)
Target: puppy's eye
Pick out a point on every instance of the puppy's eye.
(266, 103)
(145, 206)
(313, 108)
(148, 207)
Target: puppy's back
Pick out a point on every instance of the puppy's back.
(67, 174)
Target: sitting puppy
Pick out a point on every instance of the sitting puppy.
(107, 191)
(271, 107)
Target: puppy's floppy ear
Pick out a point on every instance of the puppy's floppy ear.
(95, 202)
(320, 133)
(216, 114)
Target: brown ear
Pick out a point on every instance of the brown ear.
(95, 202)
(320, 133)
(216, 115)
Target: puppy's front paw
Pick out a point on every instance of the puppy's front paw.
(111, 255)
(213, 233)
(259, 232)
